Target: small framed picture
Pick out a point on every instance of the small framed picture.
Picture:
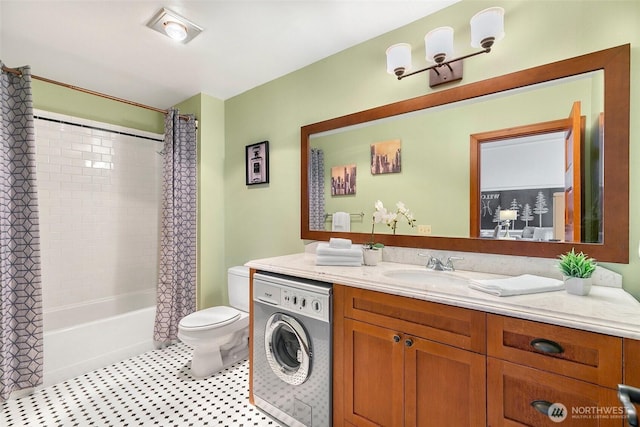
(386, 157)
(343, 180)
(257, 163)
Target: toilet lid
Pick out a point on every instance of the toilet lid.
(210, 317)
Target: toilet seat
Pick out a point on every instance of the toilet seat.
(210, 318)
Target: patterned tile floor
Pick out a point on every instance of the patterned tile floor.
(153, 389)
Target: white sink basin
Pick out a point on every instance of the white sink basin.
(426, 277)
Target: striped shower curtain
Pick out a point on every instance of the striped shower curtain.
(316, 189)
(176, 291)
(21, 356)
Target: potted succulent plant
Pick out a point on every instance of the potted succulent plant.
(577, 269)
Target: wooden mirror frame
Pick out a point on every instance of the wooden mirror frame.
(615, 62)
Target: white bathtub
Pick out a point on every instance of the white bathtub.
(82, 337)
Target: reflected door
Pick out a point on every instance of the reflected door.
(573, 143)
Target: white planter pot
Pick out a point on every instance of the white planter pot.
(577, 286)
(372, 256)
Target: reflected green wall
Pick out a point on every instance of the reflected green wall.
(263, 222)
(434, 180)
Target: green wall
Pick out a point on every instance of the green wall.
(211, 211)
(262, 222)
(58, 99)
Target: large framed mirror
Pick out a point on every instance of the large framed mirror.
(446, 197)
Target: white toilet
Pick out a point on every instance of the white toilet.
(219, 335)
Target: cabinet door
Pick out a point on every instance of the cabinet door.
(444, 385)
(373, 370)
(521, 396)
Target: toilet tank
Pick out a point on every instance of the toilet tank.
(238, 287)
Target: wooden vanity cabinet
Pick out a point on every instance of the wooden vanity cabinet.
(400, 361)
(531, 366)
(407, 362)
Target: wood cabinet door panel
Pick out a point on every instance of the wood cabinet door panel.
(514, 392)
(632, 362)
(459, 327)
(586, 356)
(374, 382)
(444, 386)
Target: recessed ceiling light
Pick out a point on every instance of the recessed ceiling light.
(173, 25)
(175, 30)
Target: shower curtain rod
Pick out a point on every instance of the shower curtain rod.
(91, 92)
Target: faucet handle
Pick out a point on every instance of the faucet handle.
(431, 263)
(450, 261)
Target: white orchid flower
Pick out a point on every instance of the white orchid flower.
(380, 215)
(379, 206)
(401, 208)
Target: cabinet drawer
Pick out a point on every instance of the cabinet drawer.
(520, 396)
(459, 327)
(586, 356)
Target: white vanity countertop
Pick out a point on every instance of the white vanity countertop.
(605, 310)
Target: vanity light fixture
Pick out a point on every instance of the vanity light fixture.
(174, 26)
(487, 27)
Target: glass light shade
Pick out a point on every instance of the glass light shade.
(399, 59)
(507, 214)
(175, 30)
(487, 27)
(439, 44)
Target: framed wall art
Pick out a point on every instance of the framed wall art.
(343, 180)
(386, 157)
(257, 163)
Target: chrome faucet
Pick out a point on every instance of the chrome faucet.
(437, 264)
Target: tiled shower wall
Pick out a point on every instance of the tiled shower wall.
(99, 197)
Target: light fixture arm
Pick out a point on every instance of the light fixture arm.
(445, 63)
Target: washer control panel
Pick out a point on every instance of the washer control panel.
(299, 301)
(307, 298)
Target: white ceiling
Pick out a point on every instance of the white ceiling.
(105, 45)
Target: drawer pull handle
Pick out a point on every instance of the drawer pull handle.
(408, 342)
(542, 406)
(396, 338)
(546, 346)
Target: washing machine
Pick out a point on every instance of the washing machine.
(292, 349)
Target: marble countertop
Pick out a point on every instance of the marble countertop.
(605, 310)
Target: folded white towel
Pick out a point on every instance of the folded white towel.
(519, 285)
(338, 260)
(337, 243)
(341, 221)
(351, 252)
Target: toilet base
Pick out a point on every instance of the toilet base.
(206, 361)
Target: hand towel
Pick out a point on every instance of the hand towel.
(339, 261)
(336, 243)
(351, 252)
(341, 221)
(518, 285)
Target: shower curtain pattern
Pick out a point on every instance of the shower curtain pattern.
(176, 293)
(316, 190)
(21, 358)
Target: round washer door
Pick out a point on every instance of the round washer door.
(288, 348)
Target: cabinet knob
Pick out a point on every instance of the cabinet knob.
(546, 346)
(396, 338)
(408, 342)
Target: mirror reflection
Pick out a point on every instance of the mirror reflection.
(422, 159)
